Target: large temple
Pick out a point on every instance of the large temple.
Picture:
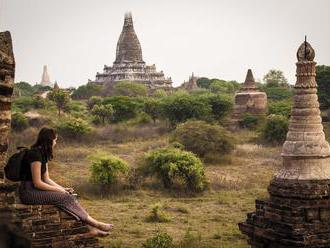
(129, 64)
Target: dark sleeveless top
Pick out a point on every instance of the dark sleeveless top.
(33, 155)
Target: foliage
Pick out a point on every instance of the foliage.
(191, 240)
(203, 82)
(275, 78)
(103, 111)
(73, 128)
(202, 138)
(24, 88)
(152, 108)
(157, 214)
(160, 240)
(222, 86)
(125, 107)
(108, 169)
(172, 165)
(92, 101)
(181, 107)
(61, 99)
(249, 120)
(18, 121)
(275, 129)
(280, 108)
(221, 105)
(23, 104)
(86, 91)
(278, 93)
(323, 82)
(159, 93)
(127, 88)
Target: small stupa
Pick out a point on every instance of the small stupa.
(248, 100)
(297, 214)
(191, 84)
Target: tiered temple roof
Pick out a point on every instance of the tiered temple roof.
(129, 64)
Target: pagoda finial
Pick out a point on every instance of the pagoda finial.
(305, 52)
(128, 19)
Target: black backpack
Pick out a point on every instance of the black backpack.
(13, 168)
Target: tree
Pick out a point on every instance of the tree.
(203, 82)
(125, 107)
(61, 99)
(152, 108)
(275, 78)
(24, 89)
(323, 82)
(103, 111)
(92, 101)
(127, 88)
(86, 91)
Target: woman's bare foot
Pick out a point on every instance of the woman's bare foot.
(97, 233)
(100, 225)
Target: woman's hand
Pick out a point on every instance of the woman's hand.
(69, 190)
(62, 190)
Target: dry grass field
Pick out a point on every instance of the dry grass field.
(210, 218)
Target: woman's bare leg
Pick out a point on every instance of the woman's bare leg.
(97, 232)
(98, 224)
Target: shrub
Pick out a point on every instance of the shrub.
(103, 111)
(202, 138)
(160, 240)
(152, 108)
(127, 88)
(249, 120)
(275, 129)
(39, 102)
(191, 240)
(157, 214)
(221, 105)
(172, 165)
(73, 128)
(86, 91)
(23, 104)
(278, 93)
(18, 121)
(280, 108)
(125, 107)
(61, 98)
(181, 107)
(107, 170)
(92, 101)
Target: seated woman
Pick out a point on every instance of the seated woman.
(38, 188)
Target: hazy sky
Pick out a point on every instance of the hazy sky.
(213, 38)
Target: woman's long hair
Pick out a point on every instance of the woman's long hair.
(45, 142)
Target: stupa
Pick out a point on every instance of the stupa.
(45, 80)
(129, 64)
(191, 84)
(297, 214)
(248, 100)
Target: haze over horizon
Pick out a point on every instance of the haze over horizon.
(216, 39)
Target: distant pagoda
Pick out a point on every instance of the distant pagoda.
(248, 100)
(45, 80)
(129, 64)
(191, 84)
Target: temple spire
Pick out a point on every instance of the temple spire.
(249, 83)
(45, 77)
(128, 46)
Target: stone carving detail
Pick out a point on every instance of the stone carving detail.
(248, 100)
(7, 73)
(297, 214)
(129, 64)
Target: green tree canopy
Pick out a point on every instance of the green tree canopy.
(103, 111)
(127, 88)
(61, 99)
(125, 107)
(275, 78)
(86, 91)
(323, 82)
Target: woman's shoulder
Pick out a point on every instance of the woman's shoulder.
(34, 154)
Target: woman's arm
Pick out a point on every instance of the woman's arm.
(38, 183)
(49, 181)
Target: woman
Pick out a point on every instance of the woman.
(38, 188)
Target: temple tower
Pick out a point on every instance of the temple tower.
(248, 100)
(297, 214)
(7, 73)
(45, 81)
(129, 64)
(128, 46)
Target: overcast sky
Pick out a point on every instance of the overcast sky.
(212, 38)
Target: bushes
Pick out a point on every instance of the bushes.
(280, 108)
(275, 129)
(18, 121)
(103, 111)
(86, 91)
(203, 139)
(125, 108)
(172, 165)
(161, 240)
(108, 169)
(127, 88)
(250, 121)
(73, 128)
(157, 214)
